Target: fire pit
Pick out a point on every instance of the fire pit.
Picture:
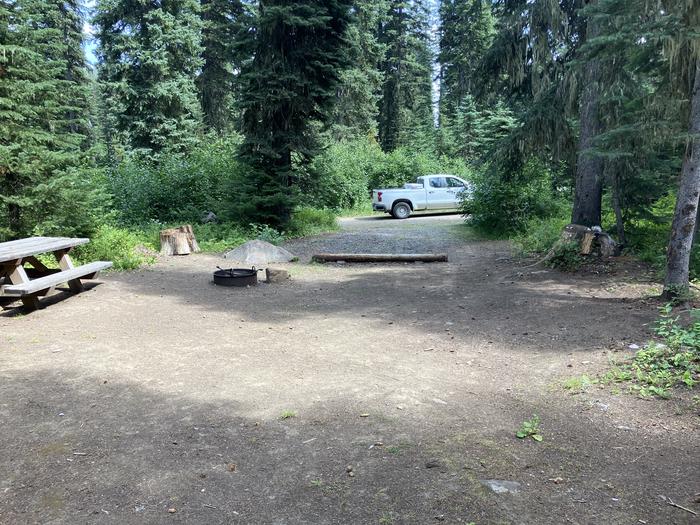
(236, 276)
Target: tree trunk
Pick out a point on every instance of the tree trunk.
(686, 213)
(589, 169)
(617, 205)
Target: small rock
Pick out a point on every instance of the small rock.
(556, 480)
(259, 252)
(351, 474)
(276, 275)
(209, 217)
(348, 468)
(433, 463)
(501, 486)
(633, 347)
(171, 511)
(231, 467)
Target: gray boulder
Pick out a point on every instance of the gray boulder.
(258, 253)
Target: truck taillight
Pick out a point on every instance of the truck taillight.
(379, 196)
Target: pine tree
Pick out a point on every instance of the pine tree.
(359, 92)
(149, 54)
(405, 115)
(289, 85)
(466, 32)
(223, 22)
(44, 125)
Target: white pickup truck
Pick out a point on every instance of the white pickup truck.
(431, 192)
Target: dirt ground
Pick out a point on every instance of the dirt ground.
(157, 397)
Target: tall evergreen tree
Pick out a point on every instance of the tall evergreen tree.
(529, 66)
(223, 22)
(149, 54)
(359, 91)
(588, 188)
(44, 110)
(405, 114)
(466, 32)
(300, 49)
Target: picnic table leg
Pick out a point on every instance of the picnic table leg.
(19, 276)
(65, 262)
(36, 263)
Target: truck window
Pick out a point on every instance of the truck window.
(454, 183)
(438, 182)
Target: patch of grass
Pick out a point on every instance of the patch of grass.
(288, 414)
(398, 449)
(671, 361)
(578, 383)
(530, 428)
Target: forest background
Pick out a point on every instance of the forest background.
(276, 116)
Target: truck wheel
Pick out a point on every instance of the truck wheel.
(401, 210)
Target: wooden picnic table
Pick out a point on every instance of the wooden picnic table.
(20, 282)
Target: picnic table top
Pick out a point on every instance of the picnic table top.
(12, 250)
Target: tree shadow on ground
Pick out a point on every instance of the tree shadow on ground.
(455, 303)
(79, 448)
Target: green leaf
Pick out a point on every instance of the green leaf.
(537, 437)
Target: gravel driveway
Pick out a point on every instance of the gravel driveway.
(353, 394)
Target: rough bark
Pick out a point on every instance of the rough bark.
(380, 257)
(178, 241)
(589, 169)
(617, 205)
(686, 213)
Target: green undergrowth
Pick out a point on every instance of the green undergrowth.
(670, 361)
(132, 246)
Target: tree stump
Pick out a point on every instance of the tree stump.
(178, 241)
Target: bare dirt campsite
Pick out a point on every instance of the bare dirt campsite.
(352, 394)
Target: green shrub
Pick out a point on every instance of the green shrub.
(219, 237)
(178, 188)
(566, 256)
(648, 238)
(343, 175)
(123, 247)
(505, 203)
(339, 177)
(403, 165)
(540, 235)
(312, 221)
(265, 233)
(661, 365)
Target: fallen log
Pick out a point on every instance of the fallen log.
(380, 257)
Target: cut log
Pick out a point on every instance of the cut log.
(380, 257)
(178, 241)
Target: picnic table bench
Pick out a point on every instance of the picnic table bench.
(28, 284)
